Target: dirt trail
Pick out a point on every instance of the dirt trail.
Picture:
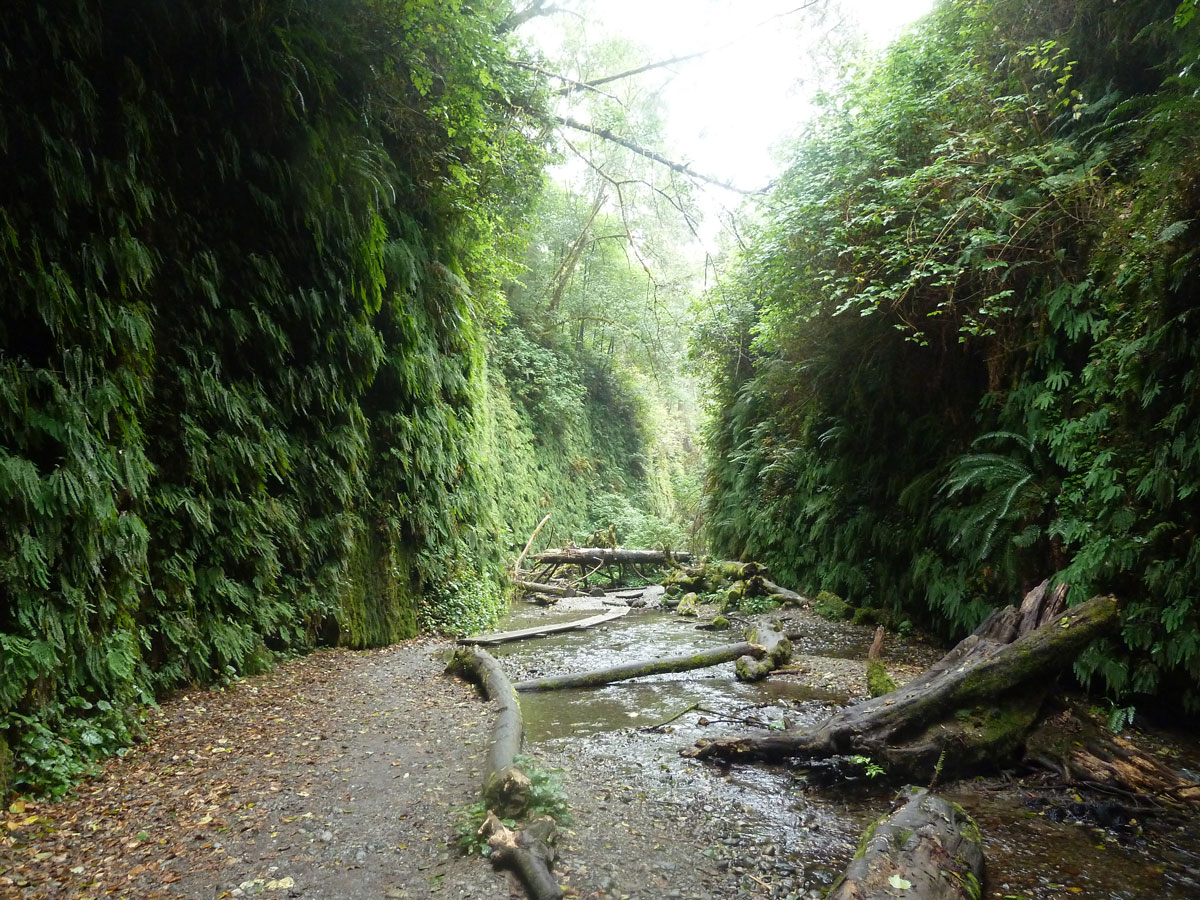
(337, 775)
(342, 775)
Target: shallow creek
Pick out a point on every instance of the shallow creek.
(789, 839)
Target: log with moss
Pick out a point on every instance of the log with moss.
(685, 662)
(972, 708)
(763, 651)
(592, 556)
(777, 652)
(924, 847)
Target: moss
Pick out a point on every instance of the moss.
(879, 682)
(379, 604)
(687, 606)
(6, 768)
(720, 623)
(829, 605)
(870, 615)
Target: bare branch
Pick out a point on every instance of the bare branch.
(570, 82)
(532, 11)
(662, 64)
(648, 67)
(615, 138)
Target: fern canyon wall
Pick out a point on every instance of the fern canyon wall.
(959, 353)
(253, 267)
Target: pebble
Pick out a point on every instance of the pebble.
(326, 836)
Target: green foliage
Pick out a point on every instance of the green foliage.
(467, 823)
(959, 354)
(753, 606)
(547, 797)
(247, 254)
(870, 768)
(829, 605)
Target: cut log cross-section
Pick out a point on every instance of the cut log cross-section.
(974, 706)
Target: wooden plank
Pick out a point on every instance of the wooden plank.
(504, 637)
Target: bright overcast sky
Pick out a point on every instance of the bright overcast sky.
(728, 110)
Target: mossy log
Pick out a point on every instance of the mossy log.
(528, 854)
(924, 847)
(593, 556)
(558, 590)
(686, 662)
(506, 789)
(1086, 753)
(974, 707)
(777, 652)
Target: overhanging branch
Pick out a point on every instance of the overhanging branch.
(637, 148)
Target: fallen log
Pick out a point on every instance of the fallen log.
(534, 587)
(590, 556)
(1085, 753)
(683, 663)
(527, 854)
(506, 788)
(784, 595)
(504, 637)
(975, 706)
(924, 847)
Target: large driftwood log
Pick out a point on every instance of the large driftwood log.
(506, 788)
(534, 587)
(974, 706)
(592, 556)
(683, 663)
(925, 847)
(527, 854)
(1085, 753)
(504, 637)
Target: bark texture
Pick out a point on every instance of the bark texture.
(506, 788)
(925, 847)
(974, 706)
(594, 556)
(528, 854)
(683, 663)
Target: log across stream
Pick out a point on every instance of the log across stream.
(607, 734)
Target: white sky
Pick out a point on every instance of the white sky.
(728, 110)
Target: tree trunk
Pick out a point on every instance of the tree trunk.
(528, 855)
(974, 706)
(925, 847)
(684, 663)
(588, 557)
(536, 588)
(504, 637)
(1085, 753)
(506, 789)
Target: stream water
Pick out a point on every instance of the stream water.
(1039, 843)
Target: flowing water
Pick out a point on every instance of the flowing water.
(1039, 843)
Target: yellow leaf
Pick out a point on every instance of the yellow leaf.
(17, 807)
